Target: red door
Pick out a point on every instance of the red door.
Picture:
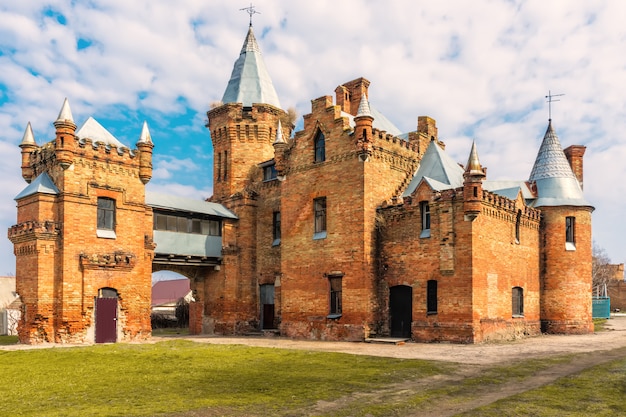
(106, 320)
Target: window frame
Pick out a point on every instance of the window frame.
(106, 218)
(431, 297)
(319, 145)
(276, 232)
(517, 302)
(425, 219)
(570, 233)
(335, 291)
(319, 218)
(269, 172)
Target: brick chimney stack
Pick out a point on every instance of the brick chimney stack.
(574, 155)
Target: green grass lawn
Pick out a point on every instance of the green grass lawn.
(176, 376)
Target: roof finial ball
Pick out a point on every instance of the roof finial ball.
(250, 10)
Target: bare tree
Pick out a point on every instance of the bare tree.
(602, 271)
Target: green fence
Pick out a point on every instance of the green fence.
(601, 307)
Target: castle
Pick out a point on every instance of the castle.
(345, 230)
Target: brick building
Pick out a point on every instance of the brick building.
(344, 230)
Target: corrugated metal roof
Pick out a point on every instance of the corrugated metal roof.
(438, 166)
(553, 177)
(250, 82)
(172, 202)
(42, 184)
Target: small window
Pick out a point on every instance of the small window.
(425, 217)
(518, 221)
(219, 167)
(431, 297)
(570, 233)
(518, 302)
(225, 176)
(276, 228)
(335, 296)
(319, 207)
(320, 147)
(106, 218)
(269, 172)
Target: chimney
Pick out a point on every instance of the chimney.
(574, 155)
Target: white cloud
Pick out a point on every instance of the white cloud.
(480, 68)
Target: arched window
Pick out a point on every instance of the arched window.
(320, 147)
(518, 301)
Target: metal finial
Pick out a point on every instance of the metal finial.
(250, 10)
(550, 98)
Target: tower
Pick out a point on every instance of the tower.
(243, 127)
(83, 238)
(565, 241)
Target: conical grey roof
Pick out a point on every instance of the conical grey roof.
(65, 115)
(473, 166)
(553, 177)
(250, 82)
(364, 107)
(28, 138)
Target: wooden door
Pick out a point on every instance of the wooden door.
(106, 320)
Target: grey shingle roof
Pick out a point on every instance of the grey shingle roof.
(555, 181)
(250, 82)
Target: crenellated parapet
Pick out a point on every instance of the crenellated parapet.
(35, 229)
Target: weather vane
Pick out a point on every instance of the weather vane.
(250, 10)
(550, 98)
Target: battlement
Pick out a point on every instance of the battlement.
(34, 228)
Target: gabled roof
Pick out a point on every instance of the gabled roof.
(380, 121)
(42, 184)
(93, 130)
(250, 82)
(438, 169)
(176, 203)
(553, 177)
(169, 291)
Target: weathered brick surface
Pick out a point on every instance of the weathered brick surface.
(61, 264)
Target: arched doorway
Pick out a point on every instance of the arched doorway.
(401, 310)
(106, 316)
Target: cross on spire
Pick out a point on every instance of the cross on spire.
(250, 10)
(550, 98)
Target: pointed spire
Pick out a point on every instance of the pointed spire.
(553, 177)
(364, 108)
(66, 113)
(250, 44)
(145, 136)
(29, 138)
(279, 133)
(250, 82)
(473, 166)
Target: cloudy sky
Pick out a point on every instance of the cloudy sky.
(481, 68)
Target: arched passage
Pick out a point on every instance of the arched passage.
(171, 296)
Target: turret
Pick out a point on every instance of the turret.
(363, 129)
(65, 143)
(145, 147)
(28, 146)
(280, 147)
(565, 241)
(473, 185)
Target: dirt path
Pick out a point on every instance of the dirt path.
(592, 349)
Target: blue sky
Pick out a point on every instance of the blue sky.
(482, 69)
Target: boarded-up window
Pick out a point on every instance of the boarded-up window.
(431, 297)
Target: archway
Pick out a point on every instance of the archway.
(171, 295)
